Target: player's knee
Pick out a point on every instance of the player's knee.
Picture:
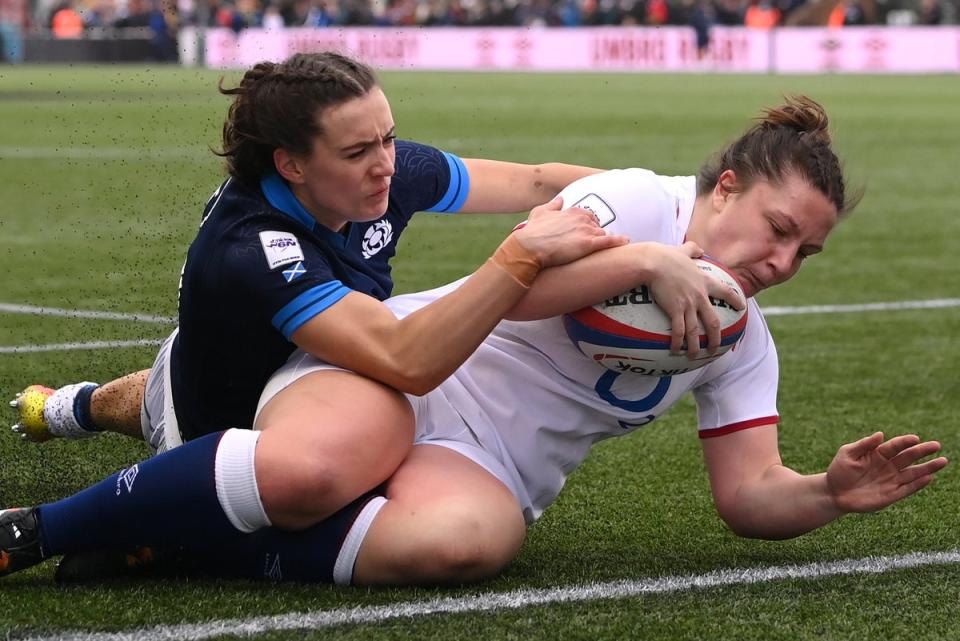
(471, 546)
(300, 490)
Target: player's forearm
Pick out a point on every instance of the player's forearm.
(505, 187)
(588, 281)
(780, 505)
(551, 178)
(427, 346)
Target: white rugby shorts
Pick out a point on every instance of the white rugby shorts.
(158, 420)
(438, 422)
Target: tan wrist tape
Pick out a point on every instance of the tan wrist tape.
(512, 257)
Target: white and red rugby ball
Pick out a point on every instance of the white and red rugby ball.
(630, 333)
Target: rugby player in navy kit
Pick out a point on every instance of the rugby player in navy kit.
(318, 195)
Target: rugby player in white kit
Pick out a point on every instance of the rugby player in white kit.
(523, 411)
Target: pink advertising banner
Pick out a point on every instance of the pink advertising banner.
(868, 50)
(506, 49)
(666, 49)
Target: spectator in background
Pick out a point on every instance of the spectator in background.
(761, 14)
(99, 13)
(657, 13)
(569, 13)
(702, 19)
(402, 13)
(320, 15)
(931, 12)
(66, 22)
(223, 13)
(251, 11)
(729, 12)
(136, 15)
(357, 12)
(164, 24)
(787, 7)
(272, 19)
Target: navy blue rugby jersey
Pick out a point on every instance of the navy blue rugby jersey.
(261, 266)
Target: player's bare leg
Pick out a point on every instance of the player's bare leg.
(446, 520)
(115, 406)
(321, 448)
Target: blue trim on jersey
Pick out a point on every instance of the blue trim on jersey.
(279, 195)
(457, 190)
(307, 305)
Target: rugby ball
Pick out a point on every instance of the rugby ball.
(630, 333)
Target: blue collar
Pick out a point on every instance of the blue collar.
(278, 194)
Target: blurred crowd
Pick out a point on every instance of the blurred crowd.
(71, 18)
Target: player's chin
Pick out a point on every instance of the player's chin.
(375, 206)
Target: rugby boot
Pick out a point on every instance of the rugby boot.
(32, 424)
(47, 413)
(118, 563)
(20, 545)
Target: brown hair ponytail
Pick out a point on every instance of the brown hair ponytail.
(793, 137)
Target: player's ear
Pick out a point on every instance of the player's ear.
(726, 185)
(288, 166)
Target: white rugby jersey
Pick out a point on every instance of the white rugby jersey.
(535, 402)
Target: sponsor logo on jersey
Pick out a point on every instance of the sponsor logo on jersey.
(280, 248)
(295, 271)
(126, 479)
(598, 207)
(377, 237)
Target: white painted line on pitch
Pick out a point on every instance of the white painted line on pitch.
(170, 320)
(59, 347)
(12, 308)
(936, 303)
(513, 600)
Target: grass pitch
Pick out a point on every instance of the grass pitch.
(105, 172)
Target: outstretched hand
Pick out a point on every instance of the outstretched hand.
(871, 473)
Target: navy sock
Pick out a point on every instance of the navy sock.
(278, 555)
(170, 499)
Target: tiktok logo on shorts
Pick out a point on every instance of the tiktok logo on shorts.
(377, 237)
(126, 479)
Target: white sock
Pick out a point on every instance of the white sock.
(347, 558)
(58, 412)
(236, 480)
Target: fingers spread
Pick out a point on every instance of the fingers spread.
(914, 453)
(912, 487)
(929, 468)
(897, 444)
(864, 445)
